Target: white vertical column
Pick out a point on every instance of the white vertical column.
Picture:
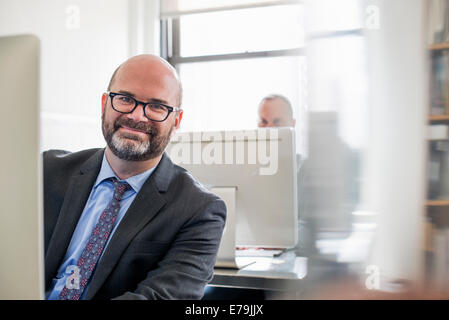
(144, 26)
(394, 180)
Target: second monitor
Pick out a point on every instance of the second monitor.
(256, 170)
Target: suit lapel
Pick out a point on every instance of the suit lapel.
(76, 197)
(145, 206)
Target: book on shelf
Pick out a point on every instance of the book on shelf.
(437, 132)
(433, 172)
(439, 83)
(438, 18)
(429, 231)
(438, 170)
(440, 264)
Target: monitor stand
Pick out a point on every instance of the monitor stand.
(226, 257)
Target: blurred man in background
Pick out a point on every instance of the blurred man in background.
(275, 111)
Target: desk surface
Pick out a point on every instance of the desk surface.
(289, 272)
(279, 273)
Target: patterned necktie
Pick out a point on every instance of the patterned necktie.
(92, 252)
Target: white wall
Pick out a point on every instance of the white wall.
(82, 42)
(394, 185)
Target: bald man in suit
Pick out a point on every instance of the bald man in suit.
(124, 222)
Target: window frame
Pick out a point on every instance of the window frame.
(170, 43)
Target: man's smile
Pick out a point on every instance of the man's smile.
(133, 130)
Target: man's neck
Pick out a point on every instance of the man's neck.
(125, 169)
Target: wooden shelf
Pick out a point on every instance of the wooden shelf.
(439, 118)
(437, 203)
(439, 46)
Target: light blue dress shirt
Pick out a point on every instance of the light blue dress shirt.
(100, 196)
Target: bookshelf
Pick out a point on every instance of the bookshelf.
(436, 246)
(433, 119)
(439, 78)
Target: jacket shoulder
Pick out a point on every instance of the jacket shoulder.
(66, 159)
(58, 165)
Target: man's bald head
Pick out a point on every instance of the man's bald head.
(154, 64)
(276, 111)
(135, 135)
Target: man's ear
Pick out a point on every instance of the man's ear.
(104, 99)
(178, 119)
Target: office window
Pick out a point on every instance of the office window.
(247, 30)
(229, 60)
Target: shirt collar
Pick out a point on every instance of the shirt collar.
(136, 182)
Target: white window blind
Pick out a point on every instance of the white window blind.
(175, 8)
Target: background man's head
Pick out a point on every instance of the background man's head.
(133, 136)
(275, 111)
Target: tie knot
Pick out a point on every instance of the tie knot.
(119, 188)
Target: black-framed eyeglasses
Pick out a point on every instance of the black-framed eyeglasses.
(154, 111)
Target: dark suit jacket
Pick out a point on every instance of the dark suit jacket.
(164, 247)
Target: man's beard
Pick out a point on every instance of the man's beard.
(139, 149)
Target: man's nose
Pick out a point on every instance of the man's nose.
(138, 113)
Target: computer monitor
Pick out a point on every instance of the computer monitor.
(21, 223)
(255, 172)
